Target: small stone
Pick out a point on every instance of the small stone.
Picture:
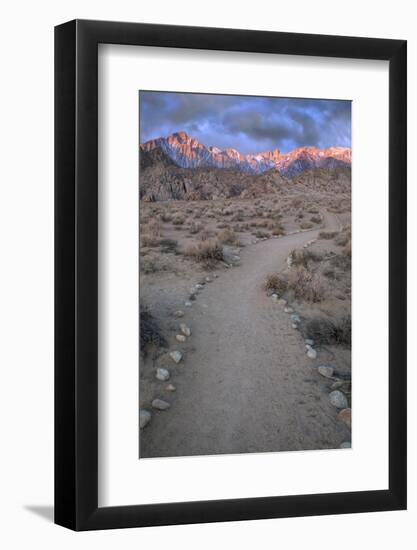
(188, 304)
(282, 301)
(325, 371)
(185, 330)
(171, 387)
(193, 297)
(312, 353)
(309, 341)
(295, 318)
(160, 405)
(176, 356)
(144, 418)
(162, 374)
(199, 286)
(338, 399)
(180, 338)
(294, 325)
(274, 297)
(179, 313)
(209, 280)
(215, 275)
(341, 384)
(345, 416)
(345, 445)
(288, 310)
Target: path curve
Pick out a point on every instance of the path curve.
(246, 384)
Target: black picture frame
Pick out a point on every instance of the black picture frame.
(76, 272)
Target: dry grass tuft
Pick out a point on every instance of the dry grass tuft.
(306, 285)
(227, 236)
(326, 330)
(276, 283)
(149, 330)
(327, 235)
(304, 256)
(209, 251)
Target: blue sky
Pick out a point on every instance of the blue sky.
(246, 123)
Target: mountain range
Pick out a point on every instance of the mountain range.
(183, 151)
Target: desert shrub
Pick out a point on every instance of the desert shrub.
(315, 219)
(153, 228)
(149, 240)
(276, 283)
(206, 251)
(179, 220)
(327, 235)
(277, 229)
(326, 330)
(296, 203)
(238, 217)
(195, 228)
(168, 245)
(306, 225)
(227, 236)
(342, 239)
(342, 261)
(306, 285)
(149, 330)
(166, 217)
(150, 264)
(304, 256)
(313, 211)
(329, 273)
(204, 235)
(347, 249)
(262, 234)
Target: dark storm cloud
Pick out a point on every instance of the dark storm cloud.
(249, 124)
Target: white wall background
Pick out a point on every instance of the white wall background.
(26, 289)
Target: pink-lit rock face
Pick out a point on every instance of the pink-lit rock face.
(187, 152)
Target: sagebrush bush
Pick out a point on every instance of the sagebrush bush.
(327, 235)
(206, 251)
(326, 330)
(168, 245)
(304, 256)
(315, 219)
(277, 229)
(276, 283)
(149, 240)
(227, 236)
(179, 220)
(262, 234)
(195, 228)
(166, 217)
(306, 225)
(306, 285)
(149, 331)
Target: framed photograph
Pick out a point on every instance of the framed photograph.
(230, 248)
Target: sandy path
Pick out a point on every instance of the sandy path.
(246, 384)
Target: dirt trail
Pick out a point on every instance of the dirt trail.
(246, 384)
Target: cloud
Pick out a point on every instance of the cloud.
(249, 124)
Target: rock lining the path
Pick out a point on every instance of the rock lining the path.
(338, 399)
(144, 418)
(160, 405)
(162, 374)
(326, 371)
(185, 329)
(176, 356)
